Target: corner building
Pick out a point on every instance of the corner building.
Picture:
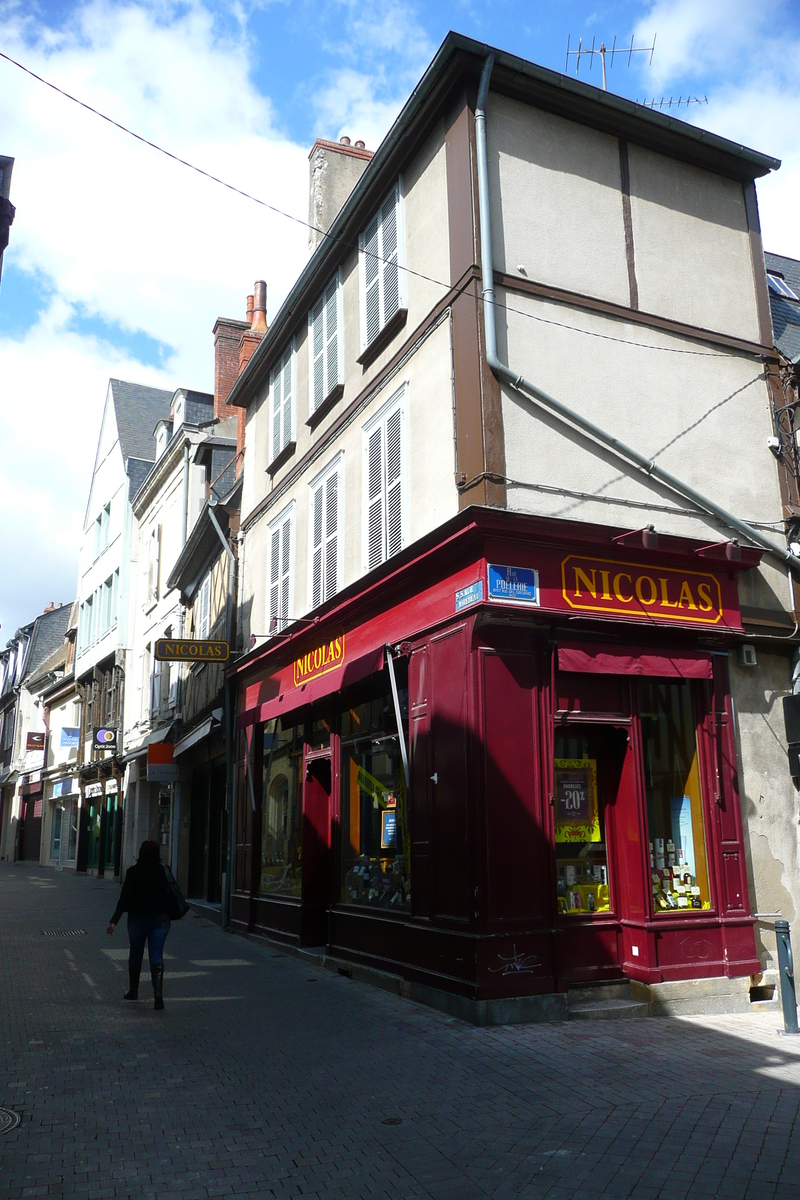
(490, 737)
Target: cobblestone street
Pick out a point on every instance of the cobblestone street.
(267, 1078)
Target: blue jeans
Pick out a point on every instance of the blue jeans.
(152, 930)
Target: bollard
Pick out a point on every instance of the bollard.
(786, 972)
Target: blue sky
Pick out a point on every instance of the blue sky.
(120, 261)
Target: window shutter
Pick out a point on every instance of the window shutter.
(277, 378)
(375, 498)
(391, 291)
(318, 351)
(331, 533)
(286, 532)
(372, 301)
(317, 548)
(274, 579)
(287, 399)
(331, 337)
(394, 484)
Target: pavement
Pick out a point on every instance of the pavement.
(265, 1077)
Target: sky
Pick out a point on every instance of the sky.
(120, 260)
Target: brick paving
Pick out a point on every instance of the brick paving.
(265, 1077)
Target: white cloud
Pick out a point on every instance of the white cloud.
(745, 58)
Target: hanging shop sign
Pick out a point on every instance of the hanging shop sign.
(191, 650)
(34, 741)
(161, 765)
(513, 585)
(327, 656)
(641, 590)
(93, 790)
(112, 787)
(104, 738)
(70, 737)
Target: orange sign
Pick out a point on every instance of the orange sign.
(604, 585)
(319, 661)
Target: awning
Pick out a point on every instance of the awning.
(191, 739)
(285, 698)
(158, 735)
(634, 660)
(31, 789)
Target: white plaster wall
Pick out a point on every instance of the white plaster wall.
(556, 200)
(703, 415)
(691, 245)
(432, 496)
(770, 804)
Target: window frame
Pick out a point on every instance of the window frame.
(328, 386)
(277, 523)
(334, 467)
(402, 297)
(279, 367)
(205, 587)
(398, 401)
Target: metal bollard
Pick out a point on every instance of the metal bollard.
(786, 972)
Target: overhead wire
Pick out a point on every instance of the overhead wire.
(337, 237)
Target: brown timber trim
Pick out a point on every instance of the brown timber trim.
(389, 331)
(757, 259)
(322, 410)
(363, 398)
(529, 287)
(772, 617)
(279, 459)
(627, 220)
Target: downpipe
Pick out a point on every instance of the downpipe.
(228, 701)
(541, 398)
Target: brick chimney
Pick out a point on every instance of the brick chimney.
(234, 344)
(334, 169)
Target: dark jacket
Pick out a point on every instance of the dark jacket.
(144, 892)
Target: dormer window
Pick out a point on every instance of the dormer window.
(162, 437)
(779, 286)
(177, 413)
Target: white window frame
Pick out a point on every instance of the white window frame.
(397, 402)
(203, 608)
(286, 514)
(153, 565)
(279, 367)
(319, 482)
(402, 300)
(328, 384)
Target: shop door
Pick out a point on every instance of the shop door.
(31, 832)
(595, 816)
(216, 834)
(316, 852)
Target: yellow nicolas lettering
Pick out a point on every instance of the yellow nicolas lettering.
(323, 658)
(638, 590)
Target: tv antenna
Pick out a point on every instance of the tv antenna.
(672, 102)
(603, 52)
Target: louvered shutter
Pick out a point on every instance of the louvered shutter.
(372, 280)
(390, 289)
(286, 532)
(318, 351)
(331, 533)
(394, 485)
(274, 579)
(287, 400)
(277, 397)
(375, 498)
(331, 336)
(317, 548)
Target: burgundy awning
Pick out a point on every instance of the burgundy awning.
(30, 789)
(635, 660)
(316, 689)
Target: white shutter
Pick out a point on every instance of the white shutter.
(391, 285)
(275, 388)
(316, 547)
(286, 558)
(375, 498)
(274, 579)
(318, 352)
(174, 675)
(323, 322)
(203, 608)
(331, 336)
(394, 484)
(372, 280)
(380, 253)
(286, 436)
(331, 533)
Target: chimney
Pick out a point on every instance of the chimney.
(250, 300)
(50, 608)
(258, 321)
(334, 170)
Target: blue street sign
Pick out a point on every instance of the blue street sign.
(513, 585)
(469, 595)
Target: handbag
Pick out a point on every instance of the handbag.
(176, 905)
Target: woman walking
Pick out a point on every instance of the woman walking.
(145, 898)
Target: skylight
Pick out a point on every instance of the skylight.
(780, 287)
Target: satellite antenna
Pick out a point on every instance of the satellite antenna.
(672, 102)
(605, 53)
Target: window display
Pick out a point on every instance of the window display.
(678, 868)
(281, 817)
(585, 771)
(375, 848)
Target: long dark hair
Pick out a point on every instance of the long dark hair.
(149, 854)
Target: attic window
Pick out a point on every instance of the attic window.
(780, 287)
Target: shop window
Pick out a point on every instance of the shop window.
(583, 787)
(320, 734)
(281, 819)
(678, 866)
(375, 845)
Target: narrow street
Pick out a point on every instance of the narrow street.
(265, 1077)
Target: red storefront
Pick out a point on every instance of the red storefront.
(571, 812)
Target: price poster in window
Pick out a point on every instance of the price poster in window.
(577, 816)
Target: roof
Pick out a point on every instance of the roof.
(138, 408)
(457, 64)
(785, 312)
(48, 636)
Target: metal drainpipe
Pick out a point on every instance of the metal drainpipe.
(228, 703)
(531, 392)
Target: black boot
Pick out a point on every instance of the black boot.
(157, 974)
(133, 979)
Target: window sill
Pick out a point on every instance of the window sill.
(332, 398)
(390, 330)
(279, 459)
